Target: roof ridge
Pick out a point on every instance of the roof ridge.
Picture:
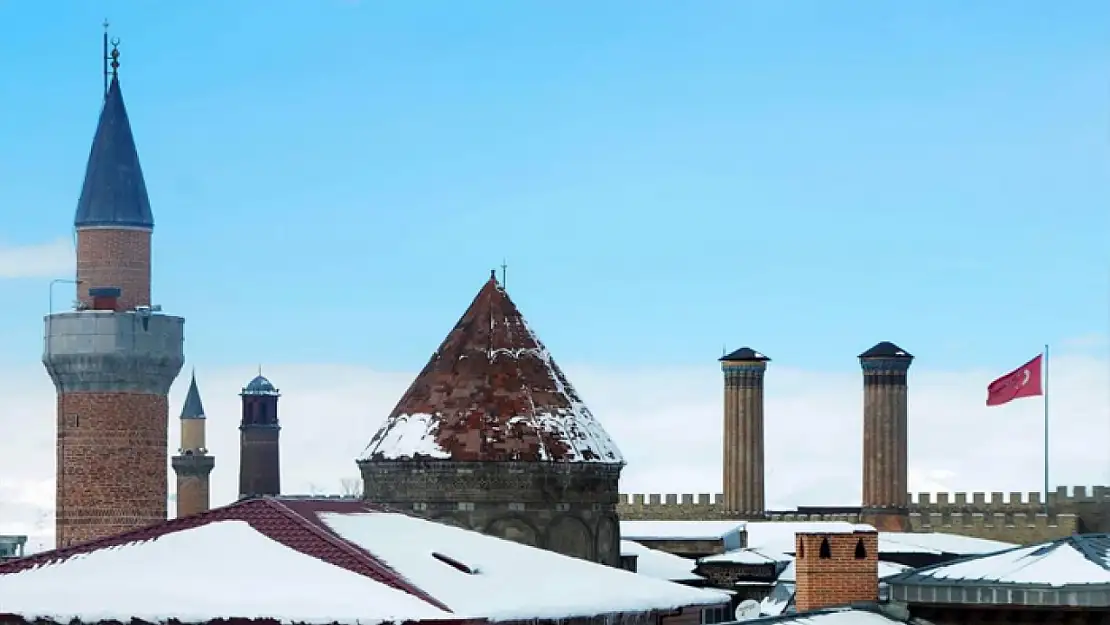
(352, 549)
(146, 533)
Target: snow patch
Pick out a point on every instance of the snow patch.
(660, 564)
(244, 574)
(510, 581)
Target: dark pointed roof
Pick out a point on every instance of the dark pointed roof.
(745, 354)
(886, 349)
(192, 408)
(114, 192)
(492, 392)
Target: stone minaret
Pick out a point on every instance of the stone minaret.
(885, 487)
(259, 440)
(743, 436)
(192, 464)
(113, 359)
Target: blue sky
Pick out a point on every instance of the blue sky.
(332, 181)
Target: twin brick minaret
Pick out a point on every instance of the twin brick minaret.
(259, 440)
(192, 464)
(113, 359)
(743, 440)
(885, 485)
(885, 441)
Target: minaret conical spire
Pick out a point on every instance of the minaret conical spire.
(114, 191)
(192, 408)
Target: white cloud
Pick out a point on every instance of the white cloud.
(43, 260)
(666, 421)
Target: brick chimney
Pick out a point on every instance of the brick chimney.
(836, 569)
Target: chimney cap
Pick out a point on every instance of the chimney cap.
(886, 349)
(745, 354)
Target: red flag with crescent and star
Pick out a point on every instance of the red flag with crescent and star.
(1025, 381)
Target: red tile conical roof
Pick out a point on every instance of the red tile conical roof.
(492, 392)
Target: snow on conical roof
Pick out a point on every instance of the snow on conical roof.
(492, 392)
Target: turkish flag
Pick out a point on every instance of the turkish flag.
(1025, 381)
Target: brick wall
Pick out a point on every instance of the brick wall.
(111, 452)
(114, 258)
(836, 569)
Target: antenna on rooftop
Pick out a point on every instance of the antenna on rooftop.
(504, 271)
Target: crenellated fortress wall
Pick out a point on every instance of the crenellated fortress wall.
(1011, 517)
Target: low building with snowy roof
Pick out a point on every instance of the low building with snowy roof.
(691, 539)
(491, 436)
(1062, 581)
(330, 561)
(659, 564)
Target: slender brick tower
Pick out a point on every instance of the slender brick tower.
(259, 440)
(885, 447)
(743, 439)
(192, 464)
(114, 358)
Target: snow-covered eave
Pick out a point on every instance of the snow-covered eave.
(381, 457)
(714, 598)
(8, 617)
(988, 592)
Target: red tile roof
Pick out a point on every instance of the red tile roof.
(491, 392)
(292, 522)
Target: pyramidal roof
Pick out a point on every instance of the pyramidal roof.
(114, 191)
(192, 408)
(492, 392)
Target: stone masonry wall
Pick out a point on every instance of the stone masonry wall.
(193, 473)
(1018, 520)
(109, 257)
(568, 508)
(111, 455)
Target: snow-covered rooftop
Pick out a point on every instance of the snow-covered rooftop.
(492, 364)
(937, 543)
(507, 581)
(779, 535)
(679, 530)
(245, 574)
(322, 561)
(747, 555)
(836, 616)
(1069, 571)
(660, 564)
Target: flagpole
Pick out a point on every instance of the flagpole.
(1046, 429)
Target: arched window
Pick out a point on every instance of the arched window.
(826, 551)
(861, 551)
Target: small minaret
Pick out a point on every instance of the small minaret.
(885, 445)
(259, 457)
(114, 357)
(743, 436)
(192, 464)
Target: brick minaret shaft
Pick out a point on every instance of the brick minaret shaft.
(113, 360)
(259, 440)
(743, 436)
(192, 464)
(885, 442)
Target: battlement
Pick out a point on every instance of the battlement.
(1022, 521)
(1064, 500)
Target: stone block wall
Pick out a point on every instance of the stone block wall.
(565, 507)
(1017, 519)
